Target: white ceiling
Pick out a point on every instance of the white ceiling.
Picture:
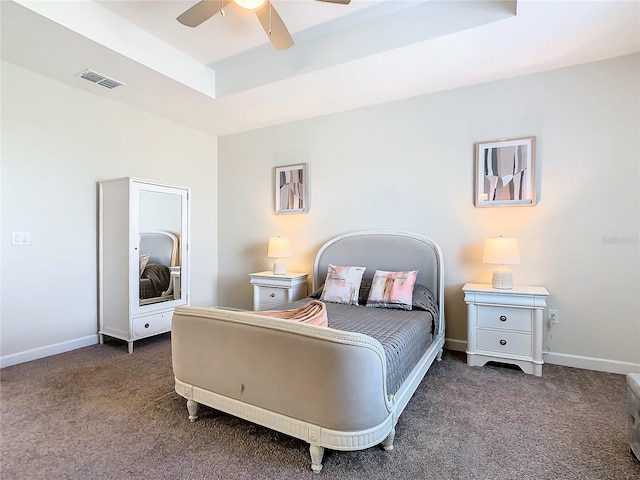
(224, 76)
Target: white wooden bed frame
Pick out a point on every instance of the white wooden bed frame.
(273, 372)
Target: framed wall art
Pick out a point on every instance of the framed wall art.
(505, 173)
(291, 189)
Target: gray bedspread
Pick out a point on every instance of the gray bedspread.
(405, 335)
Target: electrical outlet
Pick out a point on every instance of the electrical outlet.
(554, 317)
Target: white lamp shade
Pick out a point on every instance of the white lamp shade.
(501, 251)
(279, 247)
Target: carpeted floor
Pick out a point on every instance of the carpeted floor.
(99, 413)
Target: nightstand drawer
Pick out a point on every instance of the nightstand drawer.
(505, 318)
(504, 342)
(271, 295)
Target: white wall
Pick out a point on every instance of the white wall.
(408, 165)
(57, 142)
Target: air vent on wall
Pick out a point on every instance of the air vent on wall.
(98, 78)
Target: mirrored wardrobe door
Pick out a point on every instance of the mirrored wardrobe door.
(160, 245)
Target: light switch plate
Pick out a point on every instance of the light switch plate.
(21, 238)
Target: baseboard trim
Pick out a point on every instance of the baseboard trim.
(567, 360)
(47, 351)
(591, 363)
(455, 345)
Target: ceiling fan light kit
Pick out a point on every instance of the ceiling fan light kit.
(269, 18)
(250, 4)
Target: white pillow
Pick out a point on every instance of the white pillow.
(144, 259)
(342, 284)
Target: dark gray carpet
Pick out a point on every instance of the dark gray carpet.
(99, 413)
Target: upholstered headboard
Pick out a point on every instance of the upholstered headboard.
(162, 247)
(384, 250)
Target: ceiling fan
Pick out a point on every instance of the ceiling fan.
(273, 25)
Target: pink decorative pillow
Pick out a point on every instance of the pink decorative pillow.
(342, 284)
(392, 289)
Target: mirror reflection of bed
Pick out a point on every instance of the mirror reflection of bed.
(159, 267)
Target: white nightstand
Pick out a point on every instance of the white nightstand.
(270, 290)
(505, 325)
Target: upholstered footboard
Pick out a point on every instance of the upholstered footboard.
(321, 385)
(318, 437)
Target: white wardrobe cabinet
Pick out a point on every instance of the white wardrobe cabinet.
(143, 257)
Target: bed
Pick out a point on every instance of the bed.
(334, 387)
(159, 267)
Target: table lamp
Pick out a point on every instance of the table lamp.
(279, 248)
(501, 251)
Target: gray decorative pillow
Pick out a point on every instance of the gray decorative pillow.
(423, 298)
(365, 288)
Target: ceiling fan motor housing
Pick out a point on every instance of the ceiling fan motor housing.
(269, 18)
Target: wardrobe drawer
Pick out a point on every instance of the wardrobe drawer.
(505, 318)
(504, 342)
(275, 296)
(152, 324)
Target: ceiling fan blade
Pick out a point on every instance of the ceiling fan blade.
(343, 2)
(201, 11)
(274, 27)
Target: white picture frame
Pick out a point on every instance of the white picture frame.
(505, 172)
(291, 189)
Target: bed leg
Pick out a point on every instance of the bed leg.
(317, 452)
(192, 408)
(387, 443)
(439, 356)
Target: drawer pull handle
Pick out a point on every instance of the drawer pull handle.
(146, 325)
(503, 342)
(272, 295)
(503, 318)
